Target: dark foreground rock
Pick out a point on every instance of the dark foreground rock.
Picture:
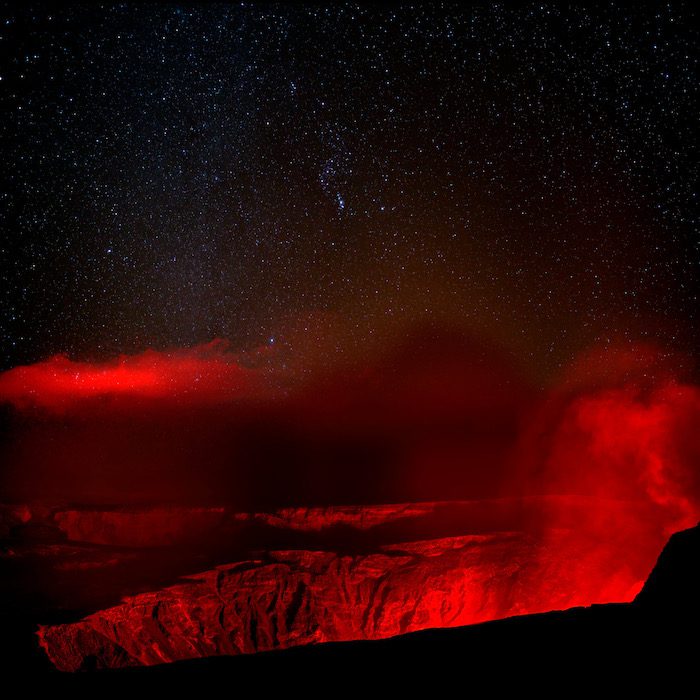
(672, 590)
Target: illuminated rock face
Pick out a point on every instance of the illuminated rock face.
(158, 526)
(153, 527)
(170, 525)
(307, 575)
(11, 516)
(356, 517)
(292, 598)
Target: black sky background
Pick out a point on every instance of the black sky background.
(318, 176)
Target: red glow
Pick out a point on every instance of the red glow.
(594, 472)
(637, 446)
(625, 443)
(202, 374)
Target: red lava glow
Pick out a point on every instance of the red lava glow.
(614, 442)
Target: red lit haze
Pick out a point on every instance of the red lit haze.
(204, 373)
(609, 454)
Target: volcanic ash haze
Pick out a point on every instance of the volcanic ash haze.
(437, 416)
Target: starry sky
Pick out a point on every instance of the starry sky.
(318, 176)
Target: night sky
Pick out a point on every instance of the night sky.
(312, 177)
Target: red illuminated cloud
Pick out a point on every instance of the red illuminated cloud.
(630, 444)
(618, 425)
(206, 373)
